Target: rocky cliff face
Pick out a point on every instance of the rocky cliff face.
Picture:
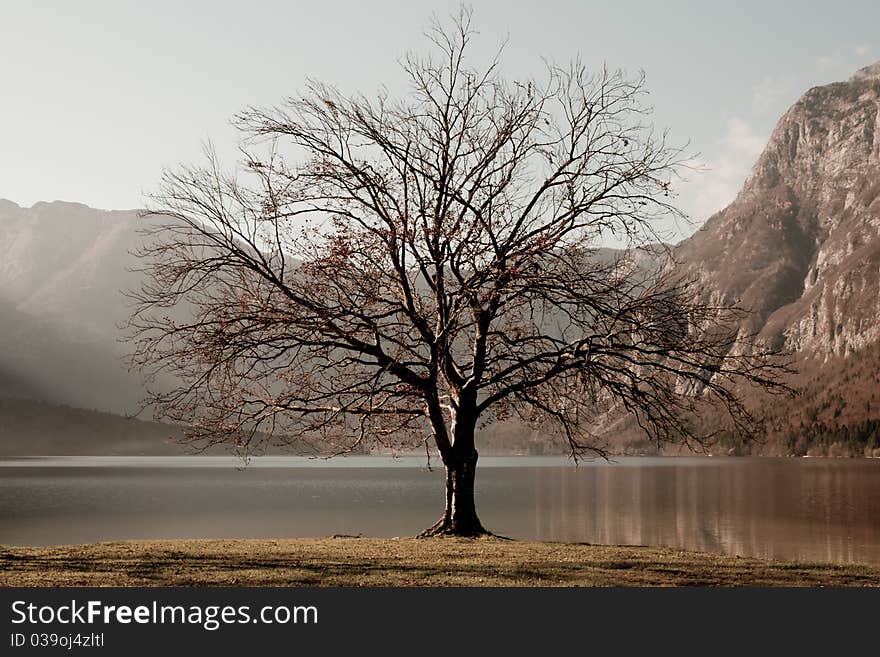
(800, 245)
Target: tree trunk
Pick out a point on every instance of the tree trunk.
(460, 516)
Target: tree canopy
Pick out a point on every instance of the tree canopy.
(396, 270)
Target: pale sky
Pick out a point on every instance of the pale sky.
(98, 96)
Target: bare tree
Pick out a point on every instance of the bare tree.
(427, 265)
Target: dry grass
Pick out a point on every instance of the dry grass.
(402, 562)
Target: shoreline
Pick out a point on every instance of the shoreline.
(393, 460)
(372, 562)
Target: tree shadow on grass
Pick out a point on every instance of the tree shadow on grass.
(469, 568)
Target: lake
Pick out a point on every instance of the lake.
(800, 509)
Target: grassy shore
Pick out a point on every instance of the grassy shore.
(402, 562)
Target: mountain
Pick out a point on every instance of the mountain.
(62, 269)
(800, 248)
(34, 428)
(66, 262)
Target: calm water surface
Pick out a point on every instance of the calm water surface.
(803, 509)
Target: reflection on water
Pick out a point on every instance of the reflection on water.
(784, 509)
(805, 509)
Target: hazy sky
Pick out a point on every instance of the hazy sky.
(98, 96)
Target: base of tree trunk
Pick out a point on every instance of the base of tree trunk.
(447, 527)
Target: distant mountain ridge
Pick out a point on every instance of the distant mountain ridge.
(34, 428)
(66, 262)
(62, 269)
